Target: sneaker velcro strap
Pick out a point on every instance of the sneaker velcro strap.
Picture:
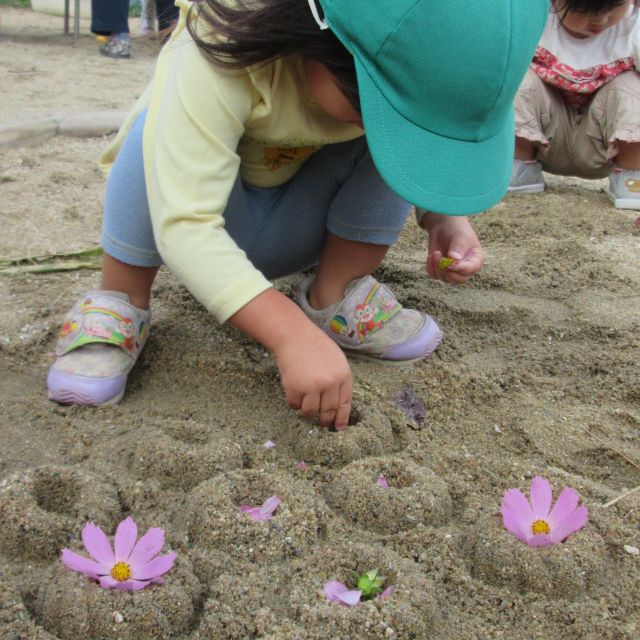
(365, 310)
(101, 317)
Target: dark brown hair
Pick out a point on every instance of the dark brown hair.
(260, 31)
(589, 7)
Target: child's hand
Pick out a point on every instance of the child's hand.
(315, 373)
(454, 253)
(316, 376)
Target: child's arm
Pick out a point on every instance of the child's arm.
(452, 237)
(315, 373)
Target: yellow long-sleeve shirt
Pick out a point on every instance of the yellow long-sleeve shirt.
(204, 125)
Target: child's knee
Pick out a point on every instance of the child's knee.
(616, 109)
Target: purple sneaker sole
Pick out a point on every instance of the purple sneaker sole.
(420, 347)
(67, 388)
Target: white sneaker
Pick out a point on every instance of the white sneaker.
(624, 188)
(526, 177)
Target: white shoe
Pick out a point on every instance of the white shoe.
(526, 177)
(624, 188)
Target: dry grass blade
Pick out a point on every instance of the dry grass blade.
(624, 495)
(88, 259)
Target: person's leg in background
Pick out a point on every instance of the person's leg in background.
(111, 18)
(167, 13)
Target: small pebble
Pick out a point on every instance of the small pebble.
(634, 551)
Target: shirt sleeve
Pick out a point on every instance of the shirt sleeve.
(196, 117)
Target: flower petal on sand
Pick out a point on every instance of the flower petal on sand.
(155, 568)
(386, 593)
(147, 547)
(338, 592)
(107, 582)
(79, 563)
(566, 504)
(125, 539)
(514, 524)
(97, 544)
(541, 497)
(570, 524)
(262, 512)
(515, 501)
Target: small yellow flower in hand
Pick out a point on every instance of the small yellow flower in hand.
(445, 263)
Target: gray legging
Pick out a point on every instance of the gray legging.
(282, 229)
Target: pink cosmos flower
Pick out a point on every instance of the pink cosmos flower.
(382, 482)
(303, 466)
(269, 444)
(536, 523)
(264, 511)
(129, 565)
(338, 592)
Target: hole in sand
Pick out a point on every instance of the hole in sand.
(55, 490)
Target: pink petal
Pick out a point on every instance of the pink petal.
(338, 592)
(125, 539)
(157, 567)
(147, 547)
(269, 444)
(303, 466)
(515, 501)
(540, 540)
(541, 497)
(108, 582)
(263, 512)
(79, 563)
(97, 544)
(566, 504)
(382, 482)
(570, 524)
(386, 593)
(514, 524)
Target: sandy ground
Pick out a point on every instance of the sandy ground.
(538, 374)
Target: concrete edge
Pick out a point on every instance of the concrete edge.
(81, 125)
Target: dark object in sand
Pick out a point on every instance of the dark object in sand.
(411, 405)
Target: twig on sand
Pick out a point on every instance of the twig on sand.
(88, 259)
(608, 446)
(624, 495)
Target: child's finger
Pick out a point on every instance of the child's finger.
(310, 404)
(469, 265)
(294, 399)
(329, 407)
(432, 264)
(344, 407)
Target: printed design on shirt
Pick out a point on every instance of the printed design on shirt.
(276, 157)
(577, 86)
(633, 185)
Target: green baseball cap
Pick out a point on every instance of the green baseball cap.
(437, 80)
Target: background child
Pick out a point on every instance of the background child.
(246, 160)
(578, 109)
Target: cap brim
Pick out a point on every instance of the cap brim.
(444, 175)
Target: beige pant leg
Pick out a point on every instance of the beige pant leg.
(543, 118)
(612, 115)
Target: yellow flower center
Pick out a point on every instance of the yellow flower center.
(121, 571)
(540, 526)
